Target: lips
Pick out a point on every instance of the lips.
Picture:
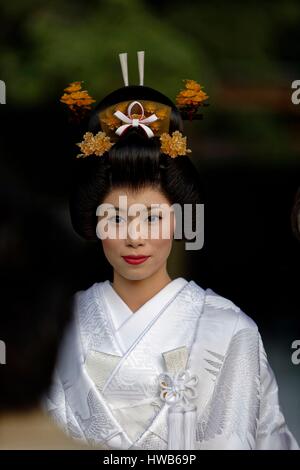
(135, 259)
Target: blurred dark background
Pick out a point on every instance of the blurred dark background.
(246, 148)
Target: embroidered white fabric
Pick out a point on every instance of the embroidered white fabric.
(102, 394)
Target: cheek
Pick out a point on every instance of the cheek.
(162, 247)
(111, 247)
(163, 231)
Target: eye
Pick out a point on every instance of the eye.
(116, 219)
(154, 218)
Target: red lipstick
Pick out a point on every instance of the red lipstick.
(135, 259)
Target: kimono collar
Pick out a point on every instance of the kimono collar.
(119, 310)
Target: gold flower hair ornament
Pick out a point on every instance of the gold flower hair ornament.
(172, 145)
(78, 101)
(94, 144)
(189, 100)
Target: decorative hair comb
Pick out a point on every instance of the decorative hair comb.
(151, 116)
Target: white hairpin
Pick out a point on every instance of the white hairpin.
(124, 67)
(141, 55)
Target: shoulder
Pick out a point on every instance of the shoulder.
(86, 301)
(85, 294)
(219, 309)
(88, 308)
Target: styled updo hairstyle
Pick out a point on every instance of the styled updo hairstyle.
(134, 161)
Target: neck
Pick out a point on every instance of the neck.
(136, 293)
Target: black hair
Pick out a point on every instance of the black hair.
(36, 287)
(134, 161)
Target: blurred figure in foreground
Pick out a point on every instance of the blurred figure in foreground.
(35, 289)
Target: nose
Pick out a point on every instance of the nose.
(134, 242)
(134, 238)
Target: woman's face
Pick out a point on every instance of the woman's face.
(134, 228)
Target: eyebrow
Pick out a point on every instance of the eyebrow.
(153, 206)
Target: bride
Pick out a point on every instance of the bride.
(151, 362)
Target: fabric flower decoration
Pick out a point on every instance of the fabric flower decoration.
(94, 144)
(178, 387)
(173, 145)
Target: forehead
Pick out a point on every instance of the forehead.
(146, 196)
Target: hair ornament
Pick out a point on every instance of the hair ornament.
(134, 120)
(152, 117)
(174, 145)
(78, 101)
(124, 67)
(190, 98)
(94, 144)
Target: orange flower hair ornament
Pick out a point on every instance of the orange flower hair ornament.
(78, 101)
(153, 118)
(189, 100)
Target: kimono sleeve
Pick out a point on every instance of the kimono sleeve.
(54, 402)
(272, 431)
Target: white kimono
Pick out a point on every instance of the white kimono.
(188, 370)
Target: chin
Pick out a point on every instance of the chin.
(135, 276)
